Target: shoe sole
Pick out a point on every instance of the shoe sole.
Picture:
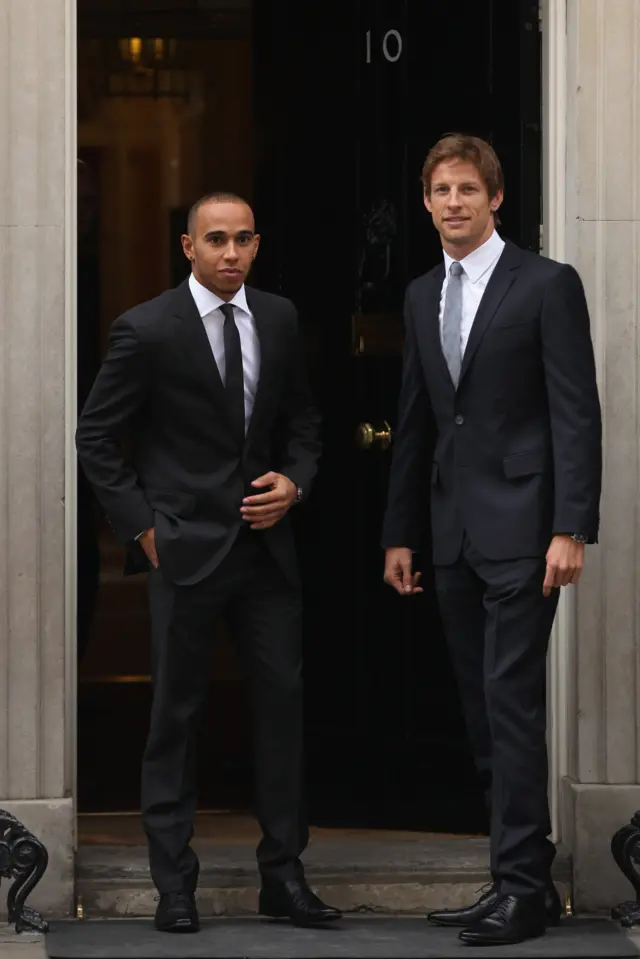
(444, 924)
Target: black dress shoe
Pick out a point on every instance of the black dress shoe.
(513, 919)
(469, 914)
(294, 900)
(177, 912)
(486, 904)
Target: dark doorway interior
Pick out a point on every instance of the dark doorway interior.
(321, 114)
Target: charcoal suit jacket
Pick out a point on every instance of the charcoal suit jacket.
(157, 444)
(517, 453)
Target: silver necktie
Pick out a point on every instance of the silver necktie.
(452, 322)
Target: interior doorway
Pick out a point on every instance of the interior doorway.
(320, 115)
(151, 100)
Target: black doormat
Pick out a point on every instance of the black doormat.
(353, 938)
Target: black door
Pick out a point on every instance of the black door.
(349, 95)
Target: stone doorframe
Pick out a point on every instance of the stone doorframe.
(71, 388)
(37, 459)
(561, 677)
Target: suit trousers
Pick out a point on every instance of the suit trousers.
(497, 625)
(263, 612)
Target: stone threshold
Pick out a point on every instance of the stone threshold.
(395, 877)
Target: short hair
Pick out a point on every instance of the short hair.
(219, 196)
(461, 146)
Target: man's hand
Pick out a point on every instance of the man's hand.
(565, 558)
(397, 571)
(148, 543)
(267, 509)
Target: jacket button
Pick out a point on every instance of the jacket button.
(459, 420)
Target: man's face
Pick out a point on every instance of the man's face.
(222, 246)
(460, 206)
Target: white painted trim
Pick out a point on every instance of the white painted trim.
(70, 380)
(554, 141)
(554, 121)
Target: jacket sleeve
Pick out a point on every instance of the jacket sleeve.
(120, 390)
(299, 421)
(408, 497)
(574, 406)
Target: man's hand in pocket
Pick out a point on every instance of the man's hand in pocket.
(148, 543)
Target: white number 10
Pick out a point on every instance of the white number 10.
(391, 46)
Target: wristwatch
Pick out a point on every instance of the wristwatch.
(579, 538)
(298, 494)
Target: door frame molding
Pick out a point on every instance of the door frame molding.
(70, 393)
(561, 676)
(562, 680)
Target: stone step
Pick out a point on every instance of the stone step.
(390, 876)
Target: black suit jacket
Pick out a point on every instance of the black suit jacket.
(518, 451)
(160, 391)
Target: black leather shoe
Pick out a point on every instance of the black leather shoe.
(513, 919)
(177, 912)
(469, 914)
(486, 903)
(294, 900)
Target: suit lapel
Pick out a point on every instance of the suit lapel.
(200, 355)
(196, 343)
(267, 337)
(501, 280)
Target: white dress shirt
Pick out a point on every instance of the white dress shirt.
(208, 305)
(478, 267)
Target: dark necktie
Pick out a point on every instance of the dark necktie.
(234, 378)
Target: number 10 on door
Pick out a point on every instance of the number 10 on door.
(391, 46)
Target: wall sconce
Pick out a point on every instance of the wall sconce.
(147, 67)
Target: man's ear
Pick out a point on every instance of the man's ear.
(187, 246)
(496, 202)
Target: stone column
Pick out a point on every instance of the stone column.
(603, 242)
(35, 130)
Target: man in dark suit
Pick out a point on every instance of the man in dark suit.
(208, 383)
(498, 352)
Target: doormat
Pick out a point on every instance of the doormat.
(353, 938)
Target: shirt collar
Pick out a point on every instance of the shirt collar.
(477, 263)
(207, 302)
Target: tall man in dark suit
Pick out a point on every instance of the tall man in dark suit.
(498, 351)
(209, 383)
